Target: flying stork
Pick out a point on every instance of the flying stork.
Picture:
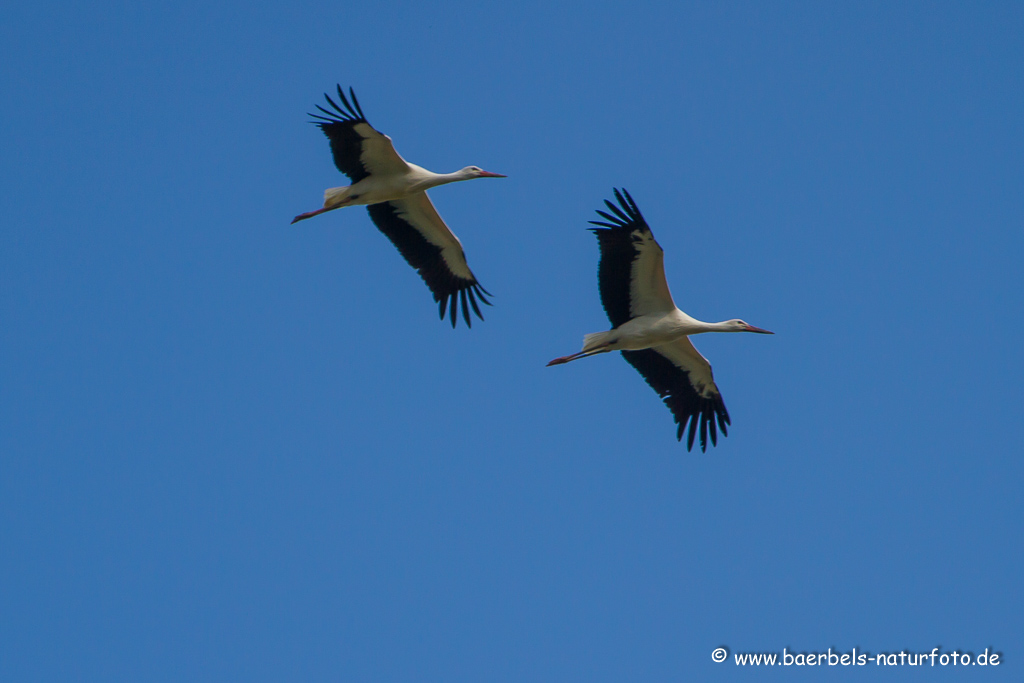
(651, 332)
(394, 192)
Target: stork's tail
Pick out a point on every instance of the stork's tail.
(335, 196)
(592, 343)
(595, 339)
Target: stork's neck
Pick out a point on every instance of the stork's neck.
(435, 179)
(712, 327)
(687, 324)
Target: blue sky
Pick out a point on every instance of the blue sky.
(235, 449)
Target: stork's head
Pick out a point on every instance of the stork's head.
(740, 326)
(471, 172)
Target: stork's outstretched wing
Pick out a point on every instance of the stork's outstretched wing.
(359, 150)
(683, 379)
(421, 236)
(631, 274)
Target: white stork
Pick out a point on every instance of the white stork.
(651, 332)
(395, 194)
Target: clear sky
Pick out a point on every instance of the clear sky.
(236, 449)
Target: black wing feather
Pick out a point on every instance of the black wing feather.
(448, 288)
(617, 211)
(476, 309)
(339, 127)
(617, 254)
(673, 385)
(355, 101)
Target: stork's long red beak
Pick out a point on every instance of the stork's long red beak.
(488, 174)
(751, 328)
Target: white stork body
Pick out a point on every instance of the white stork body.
(380, 187)
(395, 192)
(648, 328)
